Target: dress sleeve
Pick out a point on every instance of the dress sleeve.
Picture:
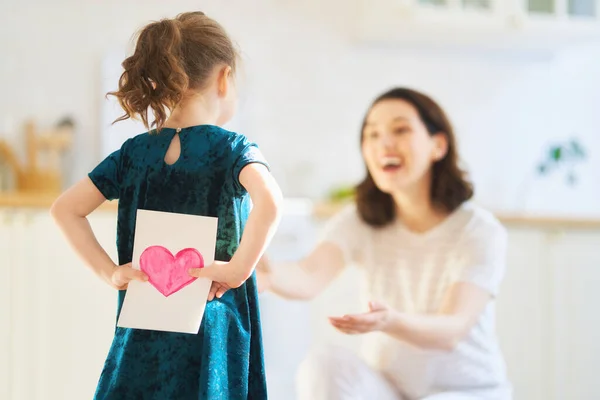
(244, 153)
(107, 176)
(485, 250)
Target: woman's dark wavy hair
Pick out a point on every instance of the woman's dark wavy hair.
(449, 185)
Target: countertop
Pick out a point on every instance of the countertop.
(324, 210)
(38, 201)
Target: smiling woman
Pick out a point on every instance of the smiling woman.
(405, 137)
(432, 264)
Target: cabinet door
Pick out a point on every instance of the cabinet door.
(576, 326)
(5, 304)
(547, 310)
(24, 351)
(76, 311)
(522, 318)
(60, 318)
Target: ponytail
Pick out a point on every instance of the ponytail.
(171, 57)
(154, 76)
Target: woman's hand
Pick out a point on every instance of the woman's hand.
(121, 276)
(376, 319)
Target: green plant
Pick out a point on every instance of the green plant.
(563, 156)
(341, 193)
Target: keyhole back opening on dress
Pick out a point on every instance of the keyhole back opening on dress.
(174, 151)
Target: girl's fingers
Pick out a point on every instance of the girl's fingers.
(209, 272)
(217, 290)
(213, 291)
(221, 291)
(139, 275)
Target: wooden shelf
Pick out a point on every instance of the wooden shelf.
(323, 211)
(550, 222)
(326, 210)
(38, 201)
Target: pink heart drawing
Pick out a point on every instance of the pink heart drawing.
(169, 274)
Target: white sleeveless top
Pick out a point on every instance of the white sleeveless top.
(411, 272)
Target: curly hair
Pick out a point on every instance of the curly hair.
(170, 57)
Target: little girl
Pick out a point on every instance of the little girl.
(182, 69)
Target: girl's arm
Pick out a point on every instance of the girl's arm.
(260, 227)
(70, 212)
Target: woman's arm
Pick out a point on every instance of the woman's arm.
(463, 304)
(341, 242)
(464, 301)
(305, 279)
(70, 212)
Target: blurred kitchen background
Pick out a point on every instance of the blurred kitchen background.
(520, 79)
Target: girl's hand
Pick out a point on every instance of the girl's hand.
(228, 274)
(121, 276)
(376, 319)
(217, 290)
(125, 273)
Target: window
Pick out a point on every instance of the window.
(541, 6)
(586, 8)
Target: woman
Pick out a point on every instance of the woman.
(432, 264)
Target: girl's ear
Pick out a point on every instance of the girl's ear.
(223, 81)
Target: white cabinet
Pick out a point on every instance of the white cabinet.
(547, 314)
(5, 309)
(542, 26)
(57, 318)
(575, 327)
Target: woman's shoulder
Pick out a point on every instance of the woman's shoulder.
(348, 212)
(477, 220)
(347, 220)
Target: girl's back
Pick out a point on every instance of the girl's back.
(182, 70)
(202, 181)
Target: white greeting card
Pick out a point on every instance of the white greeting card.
(166, 246)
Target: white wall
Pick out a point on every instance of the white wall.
(307, 86)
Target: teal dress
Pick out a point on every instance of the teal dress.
(224, 361)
